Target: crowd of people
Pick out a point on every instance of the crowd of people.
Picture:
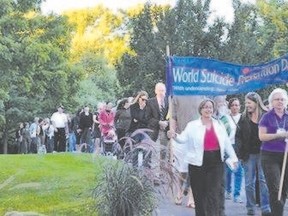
(210, 142)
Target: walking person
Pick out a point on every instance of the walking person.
(156, 112)
(85, 127)
(96, 128)
(221, 112)
(60, 124)
(21, 148)
(49, 132)
(249, 152)
(205, 150)
(138, 121)
(233, 118)
(273, 133)
(34, 130)
(138, 111)
(26, 139)
(184, 110)
(122, 120)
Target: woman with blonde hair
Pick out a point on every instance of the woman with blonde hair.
(247, 138)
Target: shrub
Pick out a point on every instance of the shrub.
(123, 190)
(128, 189)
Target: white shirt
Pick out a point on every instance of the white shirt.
(233, 126)
(193, 137)
(49, 130)
(59, 119)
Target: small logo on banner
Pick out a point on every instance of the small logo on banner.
(246, 71)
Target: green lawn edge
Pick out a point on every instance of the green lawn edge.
(50, 184)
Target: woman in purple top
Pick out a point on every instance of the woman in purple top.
(273, 129)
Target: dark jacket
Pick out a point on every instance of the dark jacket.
(86, 121)
(138, 118)
(153, 116)
(243, 138)
(123, 119)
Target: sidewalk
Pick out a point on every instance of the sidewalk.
(168, 208)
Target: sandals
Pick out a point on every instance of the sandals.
(178, 200)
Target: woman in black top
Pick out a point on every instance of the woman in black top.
(138, 121)
(138, 109)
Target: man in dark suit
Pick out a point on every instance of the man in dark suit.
(156, 113)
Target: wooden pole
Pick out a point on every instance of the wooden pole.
(169, 112)
(167, 50)
(283, 170)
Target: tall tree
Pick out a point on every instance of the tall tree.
(252, 37)
(274, 14)
(99, 83)
(97, 30)
(245, 43)
(188, 32)
(185, 28)
(141, 69)
(34, 65)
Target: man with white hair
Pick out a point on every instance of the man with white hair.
(156, 113)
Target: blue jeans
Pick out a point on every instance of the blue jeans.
(250, 166)
(238, 174)
(72, 142)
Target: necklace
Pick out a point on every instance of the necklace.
(278, 123)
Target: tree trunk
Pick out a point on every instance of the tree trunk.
(5, 140)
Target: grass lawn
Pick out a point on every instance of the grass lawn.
(50, 184)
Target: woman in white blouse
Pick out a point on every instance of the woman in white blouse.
(206, 141)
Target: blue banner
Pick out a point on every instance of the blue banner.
(200, 76)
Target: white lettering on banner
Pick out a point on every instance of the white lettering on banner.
(178, 88)
(273, 69)
(194, 76)
(180, 75)
(244, 79)
(265, 72)
(284, 64)
(214, 77)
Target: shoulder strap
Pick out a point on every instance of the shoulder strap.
(235, 121)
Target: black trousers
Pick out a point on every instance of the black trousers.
(60, 140)
(120, 134)
(272, 166)
(207, 184)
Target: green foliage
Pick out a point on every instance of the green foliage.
(184, 28)
(34, 63)
(275, 15)
(244, 44)
(44, 61)
(257, 34)
(145, 67)
(51, 184)
(129, 189)
(97, 30)
(122, 190)
(99, 84)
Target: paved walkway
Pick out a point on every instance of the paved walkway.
(168, 208)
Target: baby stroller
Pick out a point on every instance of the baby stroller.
(110, 145)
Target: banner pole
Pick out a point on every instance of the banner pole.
(167, 50)
(170, 108)
(283, 170)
